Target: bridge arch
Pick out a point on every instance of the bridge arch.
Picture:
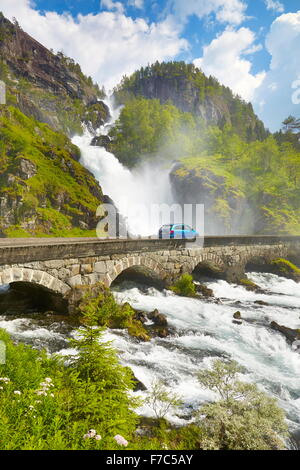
(207, 264)
(143, 265)
(34, 276)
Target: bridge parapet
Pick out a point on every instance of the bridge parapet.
(88, 261)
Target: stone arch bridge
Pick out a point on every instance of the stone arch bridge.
(58, 265)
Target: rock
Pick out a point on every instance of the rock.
(162, 332)
(141, 316)
(296, 345)
(101, 141)
(96, 115)
(285, 268)
(158, 318)
(237, 315)
(138, 385)
(249, 285)
(261, 302)
(290, 333)
(83, 225)
(26, 169)
(205, 291)
(237, 322)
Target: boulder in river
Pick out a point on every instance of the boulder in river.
(204, 290)
(158, 318)
(261, 302)
(290, 333)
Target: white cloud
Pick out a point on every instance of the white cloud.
(226, 11)
(136, 3)
(112, 5)
(107, 45)
(224, 59)
(274, 5)
(274, 98)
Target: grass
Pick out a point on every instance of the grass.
(60, 193)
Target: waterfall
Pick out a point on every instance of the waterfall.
(133, 192)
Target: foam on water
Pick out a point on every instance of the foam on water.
(27, 331)
(206, 331)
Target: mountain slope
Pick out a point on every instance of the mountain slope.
(46, 86)
(44, 190)
(246, 178)
(186, 87)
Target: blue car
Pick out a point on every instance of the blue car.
(177, 231)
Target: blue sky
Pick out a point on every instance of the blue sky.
(250, 45)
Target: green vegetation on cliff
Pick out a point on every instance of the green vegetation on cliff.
(248, 184)
(187, 88)
(44, 189)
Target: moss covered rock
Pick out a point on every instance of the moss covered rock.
(285, 268)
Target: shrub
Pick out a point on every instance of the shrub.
(244, 419)
(184, 286)
(162, 401)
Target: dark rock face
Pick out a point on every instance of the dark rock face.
(101, 141)
(160, 327)
(138, 385)
(96, 115)
(50, 87)
(158, 318)
(290, 333)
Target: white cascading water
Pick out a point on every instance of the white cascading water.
(133, 192)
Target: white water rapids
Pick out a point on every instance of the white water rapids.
(204, 330)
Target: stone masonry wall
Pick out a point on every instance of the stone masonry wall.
(60, 275)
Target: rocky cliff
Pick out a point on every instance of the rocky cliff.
(44, 190)
(185, 86)
(49, 87)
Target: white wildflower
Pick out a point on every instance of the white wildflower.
(98, 437)
(17, 392)
(120, 440)
(92, 434)
(5, 380)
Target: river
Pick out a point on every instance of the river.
(204, 330)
